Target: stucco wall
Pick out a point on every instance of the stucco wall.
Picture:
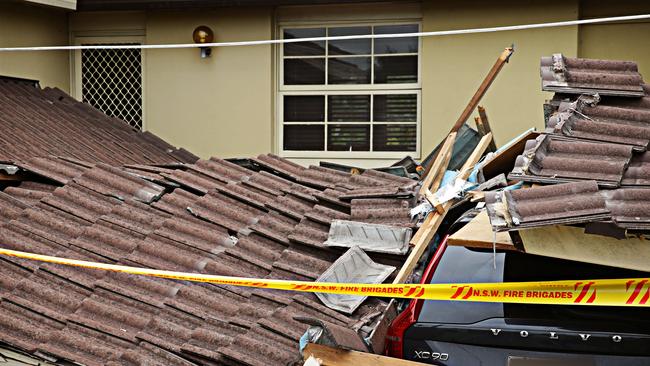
(454, 66)
(623, 41)
(221, 105)
(32, 25)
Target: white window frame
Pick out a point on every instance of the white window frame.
(349, 89)
(76, 78)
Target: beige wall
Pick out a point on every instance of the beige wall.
(31, 25)
(215, 106)
(224, 105)
(454, 66)
(626, 41)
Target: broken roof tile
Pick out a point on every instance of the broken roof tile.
(325, 215)
(549, 159)
(193, 180)
(222, 169)
(580, 75)
(638, 172)
(56, 169)
(247, 194)
(587, 119)
(268, 182)
(276, 164)
(115, 182)
(176, 202)
(566, 203)
(630, 207)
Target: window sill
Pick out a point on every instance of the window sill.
(348, 154)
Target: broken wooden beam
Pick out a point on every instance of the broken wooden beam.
(478, 95)
(425, 233)
(483, 127)
(328, 356)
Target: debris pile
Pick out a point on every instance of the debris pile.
(584, 176)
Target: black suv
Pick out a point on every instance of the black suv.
(468, 334)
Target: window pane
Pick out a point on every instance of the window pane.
(396, 108)
(351, 46)
(304, 48)
(304, 71)
(349, 70)
(396, 69)
(396, 45)
(304, 108)
(304, 137)
(394, 137)
(348, 108)
(348, 137)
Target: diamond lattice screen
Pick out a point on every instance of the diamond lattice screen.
(111, 81)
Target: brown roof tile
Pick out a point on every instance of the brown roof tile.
(539, 206)
(549, 159)
(41, 122)
(579, 75)
(588, 119)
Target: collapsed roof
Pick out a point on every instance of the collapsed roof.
(594, 152)
(124, 197)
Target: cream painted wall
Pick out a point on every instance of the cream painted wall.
(627, 41)
(454, 66)
(31, 25)
(221, 105)
(618, 41)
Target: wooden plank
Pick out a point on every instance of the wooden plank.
(434, 176)
(478, 234)
(480, 92)
(423, 236)
(329, 356)
(18, 177)
(568, 242)
(478, 95)
(483, 127)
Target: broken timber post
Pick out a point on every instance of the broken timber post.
(478, 95)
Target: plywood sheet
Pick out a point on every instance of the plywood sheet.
(478, 234)
(567, 242)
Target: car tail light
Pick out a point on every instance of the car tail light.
(408, 317)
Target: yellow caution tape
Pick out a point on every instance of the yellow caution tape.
(616, 292)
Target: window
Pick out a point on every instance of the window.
(111, 81)
(354, 96)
